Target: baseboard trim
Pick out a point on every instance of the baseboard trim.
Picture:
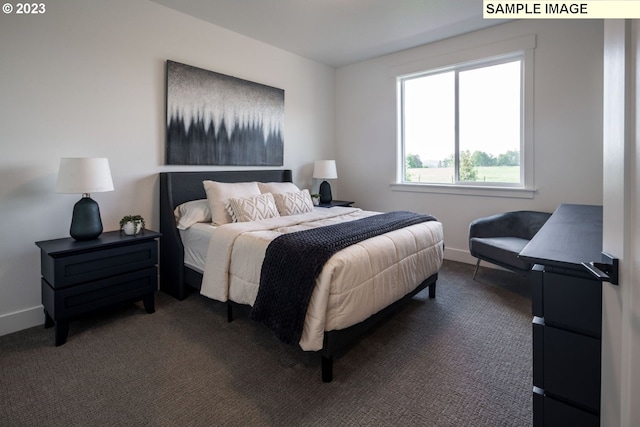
(22, 319)
(461, 255)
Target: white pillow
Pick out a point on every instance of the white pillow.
(219, 193)
(294, 203)
(277, 187)
(254, 208)
(192, 212)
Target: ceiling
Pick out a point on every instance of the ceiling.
(340, 32)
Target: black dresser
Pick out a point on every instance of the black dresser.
(567, 318)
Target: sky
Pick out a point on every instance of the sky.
(489, 111)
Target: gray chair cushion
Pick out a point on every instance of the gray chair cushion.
(501, 250)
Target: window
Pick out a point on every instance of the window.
(464, 125)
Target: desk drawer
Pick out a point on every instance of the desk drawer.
(549, 412)
(71, 269)
(538, 352)
(572, 367)
(572, 303)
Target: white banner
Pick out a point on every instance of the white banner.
(594, 9)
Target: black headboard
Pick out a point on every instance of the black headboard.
(177, 188)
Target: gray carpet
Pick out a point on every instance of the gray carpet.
(462, 359)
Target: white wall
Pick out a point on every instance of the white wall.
(621, 228)
(87, 79)
(567, 127)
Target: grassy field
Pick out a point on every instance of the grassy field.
(509, 174)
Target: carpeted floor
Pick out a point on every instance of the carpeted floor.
(462, 359)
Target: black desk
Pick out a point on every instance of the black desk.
(567, 322)
(571, 236)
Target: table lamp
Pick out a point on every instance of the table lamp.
(82, 175)
(325, 169)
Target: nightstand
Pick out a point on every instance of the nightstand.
(335, 203)
(82, 276)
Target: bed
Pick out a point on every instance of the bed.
(327, 329)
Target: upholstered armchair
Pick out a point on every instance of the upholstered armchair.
(498, 239)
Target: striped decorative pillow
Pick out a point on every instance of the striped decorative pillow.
(253, 208)
(294, 203)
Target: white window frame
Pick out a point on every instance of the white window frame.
(522, 47)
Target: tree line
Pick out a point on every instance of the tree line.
(475, 159)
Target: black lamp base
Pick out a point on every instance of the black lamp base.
(86, 223)
(325, 192)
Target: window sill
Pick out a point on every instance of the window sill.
(466, 190)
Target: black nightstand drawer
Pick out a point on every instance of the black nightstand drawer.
(74, 300)
(96, 264)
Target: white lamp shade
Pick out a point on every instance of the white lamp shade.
(325, 169)
(81, 175)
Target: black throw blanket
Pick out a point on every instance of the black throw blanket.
(293, 262)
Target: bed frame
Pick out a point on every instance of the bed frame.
(177, 280)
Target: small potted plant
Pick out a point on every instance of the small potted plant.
(315, 198)
(132, 224)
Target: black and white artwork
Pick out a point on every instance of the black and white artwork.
(215, 119)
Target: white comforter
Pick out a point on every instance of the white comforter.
(355, 283)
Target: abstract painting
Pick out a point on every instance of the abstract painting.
(215, 119)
